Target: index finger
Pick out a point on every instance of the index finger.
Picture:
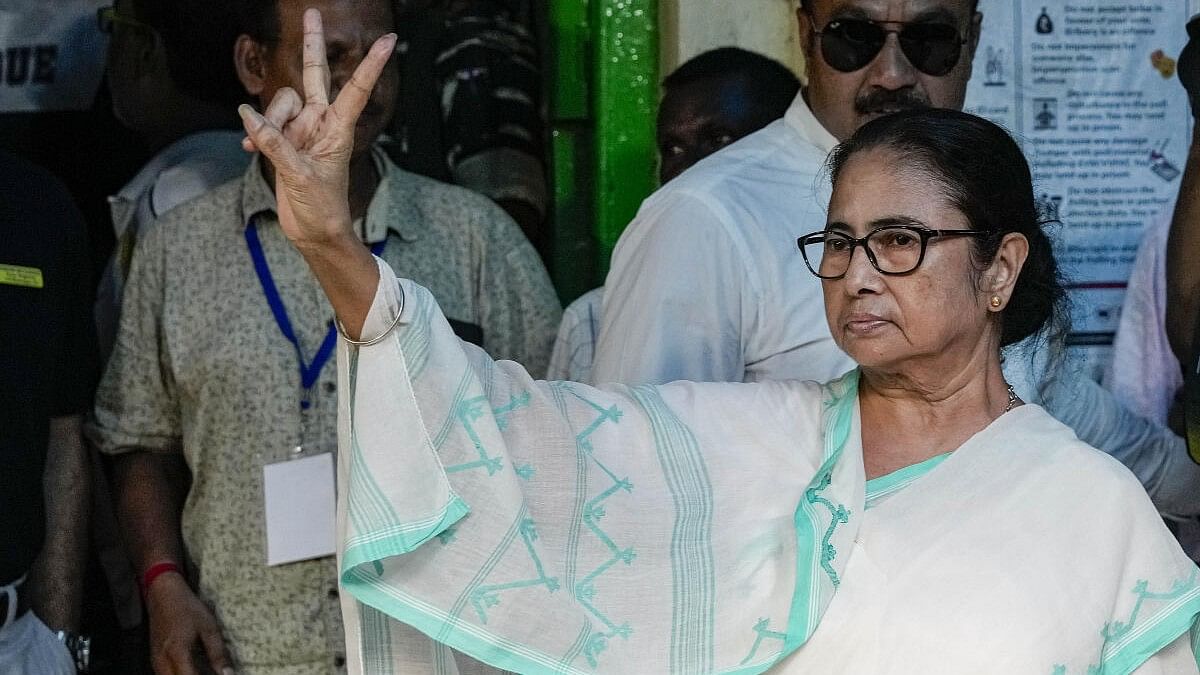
(316, 65)
(354, 95)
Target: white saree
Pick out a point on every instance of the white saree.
(551, 527)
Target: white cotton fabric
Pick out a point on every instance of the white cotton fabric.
(28, 647)
(575, 345)
(721, 528)
(1144, 374)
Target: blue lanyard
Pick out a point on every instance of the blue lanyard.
(311, 371)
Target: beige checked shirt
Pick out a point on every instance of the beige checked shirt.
(200, 367)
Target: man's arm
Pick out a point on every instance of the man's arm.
(675, 299)
(1183, 246)
(149, 503)
(56, 581)
(137, 421)
(150, 488)
(1153, 453)
(1183, 258)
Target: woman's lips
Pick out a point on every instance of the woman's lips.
(864, 324)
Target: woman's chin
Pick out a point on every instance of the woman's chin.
(871, 351)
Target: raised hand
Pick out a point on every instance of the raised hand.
(309, 140)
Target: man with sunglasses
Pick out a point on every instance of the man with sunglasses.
(706, 283)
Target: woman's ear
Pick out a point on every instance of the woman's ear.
(1001, 277)
(249, 59)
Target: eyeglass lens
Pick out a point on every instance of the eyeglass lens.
(851, 44)
(892, 250)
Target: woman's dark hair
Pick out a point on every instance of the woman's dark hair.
(983, 174)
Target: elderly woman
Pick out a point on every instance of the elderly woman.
(912, 516)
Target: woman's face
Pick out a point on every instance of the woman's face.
(932, 313)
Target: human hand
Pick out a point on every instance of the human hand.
(181, 629)
(1189, 65)
(309, 141)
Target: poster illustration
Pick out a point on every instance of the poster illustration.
(1089, 89)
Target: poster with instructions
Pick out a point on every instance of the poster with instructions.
(1089, 89)
(51, 55)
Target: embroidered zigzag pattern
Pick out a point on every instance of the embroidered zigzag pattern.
(594, 512)
(469, 412)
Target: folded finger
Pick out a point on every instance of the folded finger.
(270, 141)
(283, 108)
(354, 95)
(316, 66)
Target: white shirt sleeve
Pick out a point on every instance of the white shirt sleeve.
(677, 299)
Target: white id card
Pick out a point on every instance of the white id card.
(300, 508)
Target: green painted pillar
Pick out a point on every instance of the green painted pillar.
(624, 102)
(568, 59)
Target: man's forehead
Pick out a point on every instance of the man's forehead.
(340, 14)
(891, 10)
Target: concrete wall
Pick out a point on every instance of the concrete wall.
(689, 27)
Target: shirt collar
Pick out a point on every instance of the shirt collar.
(800, 118)
(258, 198)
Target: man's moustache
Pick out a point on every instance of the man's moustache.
(886, 100)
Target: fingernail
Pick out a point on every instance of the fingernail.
(249, 114)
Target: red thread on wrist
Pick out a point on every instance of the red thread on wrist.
(155, 571)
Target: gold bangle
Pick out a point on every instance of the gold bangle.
(379, 338)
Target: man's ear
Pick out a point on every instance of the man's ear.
(249, 58)
(142, 51)
(804, 21)
(1001, 279)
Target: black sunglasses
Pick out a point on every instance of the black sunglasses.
(850, 44)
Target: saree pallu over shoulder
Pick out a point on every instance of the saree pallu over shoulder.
(551, 527)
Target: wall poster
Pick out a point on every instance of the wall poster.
(1089, 89)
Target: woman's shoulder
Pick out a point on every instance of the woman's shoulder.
(1043, 449)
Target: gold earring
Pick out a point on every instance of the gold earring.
(997, 301)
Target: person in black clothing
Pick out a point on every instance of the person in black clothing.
(47, 377)
(1183, 249)
(469, 107)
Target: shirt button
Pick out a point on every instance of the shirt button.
(333, 594)
(339, 660)
(330, 387)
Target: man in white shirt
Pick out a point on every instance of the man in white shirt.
(714, 99)
(707, 283)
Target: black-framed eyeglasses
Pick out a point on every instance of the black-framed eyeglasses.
(891, 249)
(850, 44)
(107, 17)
